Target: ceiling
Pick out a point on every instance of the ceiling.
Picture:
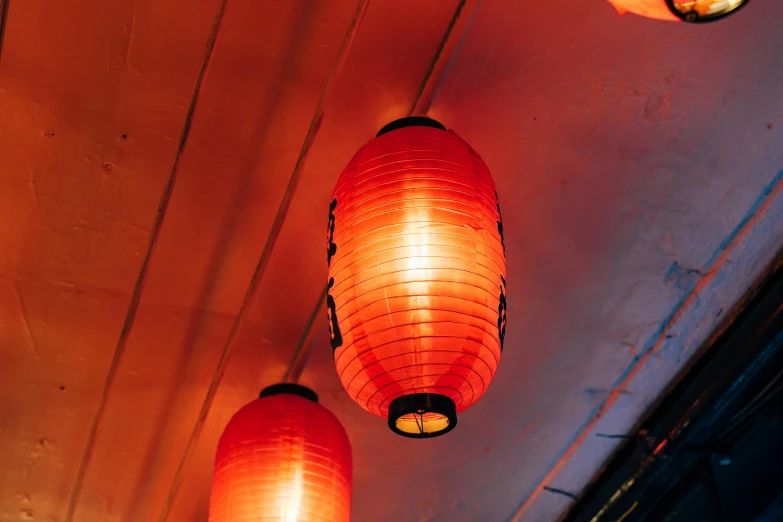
(709, 450)
(637, 161)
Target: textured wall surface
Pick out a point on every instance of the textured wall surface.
(638, 164)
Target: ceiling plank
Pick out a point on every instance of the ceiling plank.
(90, 95)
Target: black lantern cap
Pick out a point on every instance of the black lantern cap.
(289, 388)
(422, 415)
(411, 121)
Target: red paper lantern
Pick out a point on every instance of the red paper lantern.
(676, 10)
(417, 290)
(282, 458)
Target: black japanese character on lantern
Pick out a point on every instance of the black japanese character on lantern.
(502, 312)
(335, 337)
(331, 247)
(500, 224)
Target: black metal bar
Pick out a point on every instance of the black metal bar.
(710, 487)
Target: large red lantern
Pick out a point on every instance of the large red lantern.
(676, 10)
(282, 458)
(417, 288)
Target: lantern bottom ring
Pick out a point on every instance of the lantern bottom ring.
(687, 10)
(422, 415)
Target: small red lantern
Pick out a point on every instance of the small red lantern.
(417, 288)
(282, 458)
(675, 10)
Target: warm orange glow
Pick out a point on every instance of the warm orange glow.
(417, 274)
(282, 458)
(649, 8)
(691, 10)
(660, 446)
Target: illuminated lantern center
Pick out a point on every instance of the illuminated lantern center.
(417, 291)
(282, 458)
(688, 10)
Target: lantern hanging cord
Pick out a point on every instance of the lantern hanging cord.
(274, 232)
(157, 225)
(303, 349)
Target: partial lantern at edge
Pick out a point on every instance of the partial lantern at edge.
(282, 458)
(416, 302)
(693, 11)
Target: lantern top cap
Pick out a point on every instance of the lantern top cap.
(291, 389)
(411, 121)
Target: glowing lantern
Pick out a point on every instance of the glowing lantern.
(417, 289)
(282, 458)
(675, 10)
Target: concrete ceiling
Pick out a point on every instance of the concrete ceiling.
(637, 163)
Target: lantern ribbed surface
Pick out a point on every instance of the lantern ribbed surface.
(282, 458)
(416, 302)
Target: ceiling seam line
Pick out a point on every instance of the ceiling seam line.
(754, 214)
(274, 233)
(302, 354)
(470, 14)
(303, 349)
(18, 277)
(3, 23)
(436, 58)
(133, 306)
(139, 286)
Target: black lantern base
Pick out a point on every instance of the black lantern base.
(422, 415)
